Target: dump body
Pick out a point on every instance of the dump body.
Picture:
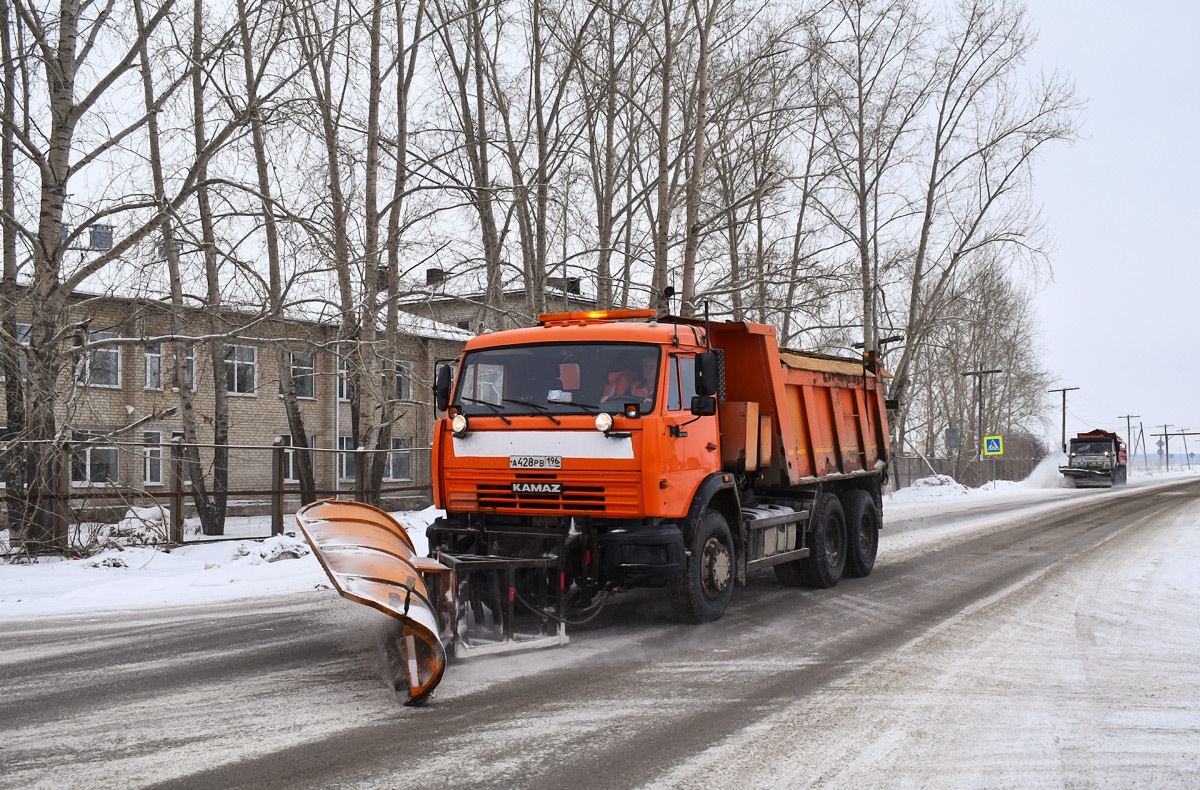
(827, 414)
(1097, 459)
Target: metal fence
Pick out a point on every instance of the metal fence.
(102, 483)
(907, 468)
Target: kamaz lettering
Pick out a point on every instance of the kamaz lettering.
(537, 488)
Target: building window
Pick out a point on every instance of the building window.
(93, 462)
(291, 469)
(464, 325)
(303, 374)
(343, 377)
(152, 458)
(345, 458)
(101, 367)
(24, 331)
(403, 388)
(399, 461)
(241, 366)
(154, 366)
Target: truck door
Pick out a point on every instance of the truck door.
(695, 449)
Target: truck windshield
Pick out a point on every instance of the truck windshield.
(558, 378)
(1091, 448)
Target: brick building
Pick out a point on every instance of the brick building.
(129, 386)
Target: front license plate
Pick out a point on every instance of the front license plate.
(535, 462)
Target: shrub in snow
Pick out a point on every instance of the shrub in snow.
(927, 488)
(939, 482)
(107, 561)
(141, 526)
(273, 549)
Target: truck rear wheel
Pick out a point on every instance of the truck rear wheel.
(823, 567)
(702, 594)
(862, 533)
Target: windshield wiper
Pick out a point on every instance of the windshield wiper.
(589, 408)
(495, 409)
(541, 409)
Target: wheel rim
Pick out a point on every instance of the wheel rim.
(833, 543)
(715, 568)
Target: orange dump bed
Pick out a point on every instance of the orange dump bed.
(825, 415)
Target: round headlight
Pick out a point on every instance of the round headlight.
(603, 421)
(458, 424)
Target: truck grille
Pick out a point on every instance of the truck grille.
(606, 494)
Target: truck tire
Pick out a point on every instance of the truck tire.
(702, 594)
(862, 533)
(823, 567)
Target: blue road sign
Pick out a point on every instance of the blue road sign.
(993, 445)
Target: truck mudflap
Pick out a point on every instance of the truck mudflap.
(371, 560)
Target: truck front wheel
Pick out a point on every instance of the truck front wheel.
(702, 594)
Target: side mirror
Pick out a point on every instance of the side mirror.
(704, 406)
(441, 388)
(707, 374)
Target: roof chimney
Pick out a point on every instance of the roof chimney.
(434, 276)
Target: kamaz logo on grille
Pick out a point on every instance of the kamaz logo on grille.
(537, 488)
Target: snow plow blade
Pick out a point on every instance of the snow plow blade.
(370, 559)
(1087, 478)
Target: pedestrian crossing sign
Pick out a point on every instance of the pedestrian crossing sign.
(993, 445)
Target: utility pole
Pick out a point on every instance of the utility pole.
(1128, 418)
(1167, 450)
(979, 374)
(1145, 451)
(1130, 449)
(1064, 391)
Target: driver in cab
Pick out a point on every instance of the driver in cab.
(631, 379)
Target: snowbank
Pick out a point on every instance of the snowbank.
(129, 575)
(940, 487)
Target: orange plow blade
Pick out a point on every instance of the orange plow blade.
(370, 559)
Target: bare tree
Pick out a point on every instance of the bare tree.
(983, 138)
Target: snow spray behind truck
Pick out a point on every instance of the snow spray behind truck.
(606, 450)
(1096, 458)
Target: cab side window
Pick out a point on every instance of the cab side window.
(673, 385)
(687, 380)
(682, 383)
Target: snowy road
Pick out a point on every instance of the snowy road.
(1052, 648)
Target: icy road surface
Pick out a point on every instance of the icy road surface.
(997, 644)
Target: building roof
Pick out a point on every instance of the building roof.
(409, 324)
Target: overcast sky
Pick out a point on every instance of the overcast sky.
(1121, 318)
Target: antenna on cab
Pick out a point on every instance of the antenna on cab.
(668, 292)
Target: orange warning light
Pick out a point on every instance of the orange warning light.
(593, 315)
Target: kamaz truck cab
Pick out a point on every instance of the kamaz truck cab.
(1096, 458)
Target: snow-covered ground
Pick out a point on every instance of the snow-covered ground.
(136, 577)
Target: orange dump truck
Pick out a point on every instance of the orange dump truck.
(603, 451)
